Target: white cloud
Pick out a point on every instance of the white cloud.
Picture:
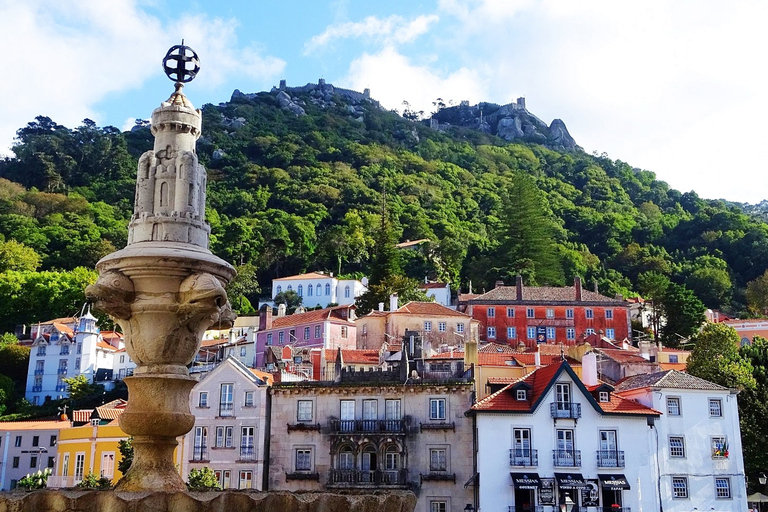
(60, 59)
(391, 30)
(395, 78)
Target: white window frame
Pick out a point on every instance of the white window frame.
(511, 333)
(250, 399)
(203, 399)
(510, 312)
(723, 488)
(609, 314)
(427, 326)
(718, 413)
(570, 333)
(550, 313)
(680, 492)
(521, 395)
(307, 332)
(441, 326)
(460, 328)
(302, 459)
(438, 505)
(305, 410)
(604, 396)
(589, 314)
(530, 312)
(491, 332)
(676, 447)
(491, 312)
(438, 412)
(318, 332)
(714, 442)
(610, 333)
(531, 333)
(245, 479)
(551, 333)
(672, 402)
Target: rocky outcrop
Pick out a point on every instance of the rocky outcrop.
(510, 122)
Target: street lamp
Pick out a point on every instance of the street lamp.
(469, 508)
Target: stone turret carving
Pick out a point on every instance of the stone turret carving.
(164, 289)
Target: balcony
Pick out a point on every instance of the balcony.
(566, 458)
(226, 409)
(524, 508)
(247, 453)
(565, 410)
(366, 478)
(521, 457)
(367, 426)
(610, 459)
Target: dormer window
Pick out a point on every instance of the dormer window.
(522, 395)
(604, 396)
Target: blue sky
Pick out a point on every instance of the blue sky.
(673, 86)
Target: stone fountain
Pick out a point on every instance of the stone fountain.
(165, 288)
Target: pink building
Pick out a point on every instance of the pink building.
(329, 328)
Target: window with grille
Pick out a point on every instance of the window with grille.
(570, 333)
(569, 313)
(510, 312)
(246, 480)
(307, 332)
(491, 312)
(317, 331)
(722, 487)
(511, 333)
(249, 398)
(427, 326)
(531, 333)
(673, 406)
(679, 487)
(530, 313)
(610, 334)
(441, 326)
(550, 313)
(609, 314)
(676, 446)
(438, 506)
(521, 395)
(715, 407)
(589, 314)
(491, 332)
(460, 328)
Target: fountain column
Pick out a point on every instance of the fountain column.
(165, 288)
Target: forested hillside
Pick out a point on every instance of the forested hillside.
(291, 193)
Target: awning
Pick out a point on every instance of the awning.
(614, 482)
(570, 481)
(526, 480)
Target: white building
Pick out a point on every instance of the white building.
(699, 463)
(61, 351)
(26, 447)
(230, 408)
(318, 289)
(548, 441)
(440, 292)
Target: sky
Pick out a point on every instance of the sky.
(676, 87)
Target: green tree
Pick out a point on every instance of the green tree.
(386, 258)
(684, 313)
(17, 256)
(290, 298)
(14, 361)
(80, 387)
(715, 357)
(653, 286)
(203, 479)
(244, 286)
(528, 236)
(8, 339)
(125, 447)
(753, 410)
(757, 295)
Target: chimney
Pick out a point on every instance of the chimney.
(596, 290)
(645, 349)
(519, 285)
(470, 353)
(265, 317)
(393, 302)
(589, 369)
(537, 357)
(381, 306)
(577, 286)
(499, 283)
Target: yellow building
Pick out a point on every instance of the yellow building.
(91, 448)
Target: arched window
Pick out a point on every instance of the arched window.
(289, 288)
(368, 464)
(309, 290)
(346, 458)
(327, 289)
(392, 458)
(164, 194)
(346, 292)
(279, 289)
(300, 290)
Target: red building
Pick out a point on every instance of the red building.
(543, 314)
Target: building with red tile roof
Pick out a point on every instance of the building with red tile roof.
(549, 439)
(547, 315)
(438, 325)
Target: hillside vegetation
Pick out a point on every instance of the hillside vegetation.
(291, 193)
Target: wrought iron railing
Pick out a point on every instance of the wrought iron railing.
(200, 452)
(610, 459)
(566, 458)
(367, 477)
(247, 453)
(363, 426)
(226, 409)
(525, 508)
(565, 410)
(523, 457)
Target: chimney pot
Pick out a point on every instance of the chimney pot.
(393, 302)
(499, 283)
(577, 287)
(519, 285)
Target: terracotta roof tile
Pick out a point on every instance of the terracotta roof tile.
(448, 355)
(353, 356)
(106, 346)
(619, 404)
(623, 356)
(544, 294)
(674, 366)
(33, 425)
(427, 286)
(308, 275)
(63, 328)
(317, 315)
(667, 379)
(429, 309)
(65, 320)
(266, 377)
(495, 347)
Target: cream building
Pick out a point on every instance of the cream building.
(438, 326)
(371, 431)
